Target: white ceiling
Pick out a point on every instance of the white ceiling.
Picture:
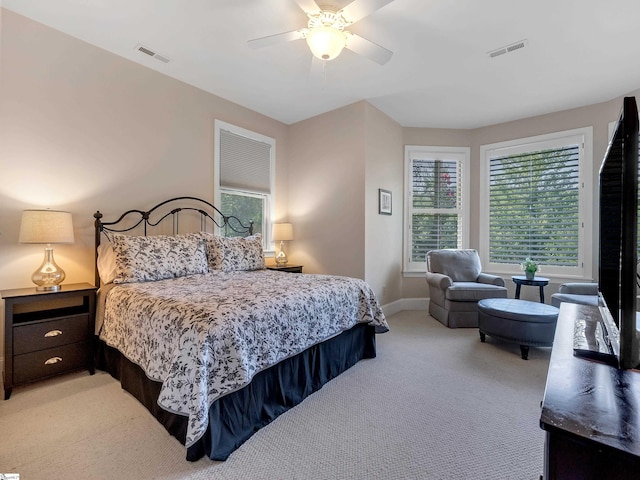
(579, 52)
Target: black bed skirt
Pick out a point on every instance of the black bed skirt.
(235, 417)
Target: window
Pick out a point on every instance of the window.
(534, 203)
(244, 166)
(246, 206)
(436, 202)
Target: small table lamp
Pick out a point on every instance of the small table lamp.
(47, 226)
(281, 232)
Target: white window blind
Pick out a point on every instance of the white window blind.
(436, 206)
(436, 214)
(534, 207)
(535, 203)
(245, 163)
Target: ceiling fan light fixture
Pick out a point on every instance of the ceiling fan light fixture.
(326, 42)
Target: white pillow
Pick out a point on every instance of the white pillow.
(106, 263)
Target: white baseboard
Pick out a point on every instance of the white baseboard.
(405, 304)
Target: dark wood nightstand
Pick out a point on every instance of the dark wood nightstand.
(47, 333)
(286, 268)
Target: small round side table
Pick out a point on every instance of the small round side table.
(541, 282)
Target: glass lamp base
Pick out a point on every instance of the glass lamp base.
(48, 288)
(281, 257)
(49, 275)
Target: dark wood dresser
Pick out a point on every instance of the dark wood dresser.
(590, 411)
(47, 333)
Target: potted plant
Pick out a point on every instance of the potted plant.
(530, 268)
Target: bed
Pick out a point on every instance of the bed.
(211, 342)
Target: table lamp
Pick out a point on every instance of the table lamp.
(47, 227)
(281, 232)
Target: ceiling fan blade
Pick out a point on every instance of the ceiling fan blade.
(308, 6)
(368, 49)
(275, 39)
(362, 8)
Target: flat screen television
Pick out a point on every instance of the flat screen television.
(618, 257)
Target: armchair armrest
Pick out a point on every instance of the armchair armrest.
(490, 279)
(438, 280)
(579, 288)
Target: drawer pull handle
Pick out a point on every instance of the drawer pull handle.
(53, 360)
(53, 333)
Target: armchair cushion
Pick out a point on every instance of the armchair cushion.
(579, 288)
(473, 291)
(580, 293)
(558, 298)
(461, 265)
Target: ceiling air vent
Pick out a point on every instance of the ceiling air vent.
(508, 49)
(151, 53)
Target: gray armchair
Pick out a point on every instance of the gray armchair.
(456, 283)
(582, 293)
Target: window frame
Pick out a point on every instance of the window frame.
(583, 137)
(462, 155)
(268, 209)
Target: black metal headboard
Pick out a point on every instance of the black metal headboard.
(131, 219)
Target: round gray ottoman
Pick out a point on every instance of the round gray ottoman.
(517, 321)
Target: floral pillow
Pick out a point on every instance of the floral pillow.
(242, 253)
(231, 254)
(214, 250)
(143, 259)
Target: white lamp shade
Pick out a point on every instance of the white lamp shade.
(282, 232)
(46, 226)
(326, 42)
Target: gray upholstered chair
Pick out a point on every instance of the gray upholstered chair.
(582, 293)
(456, 283)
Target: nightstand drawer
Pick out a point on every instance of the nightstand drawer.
(45, 363)
(53, 333)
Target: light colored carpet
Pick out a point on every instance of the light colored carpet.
(435, 404)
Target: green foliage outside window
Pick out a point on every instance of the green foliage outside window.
(246, 207)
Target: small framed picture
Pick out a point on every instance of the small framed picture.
(384, 202)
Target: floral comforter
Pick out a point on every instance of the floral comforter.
(204, 336)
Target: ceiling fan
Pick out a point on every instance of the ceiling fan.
(325, 32)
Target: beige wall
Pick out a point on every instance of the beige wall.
(327, 191)
(383, 233)
(339, 160)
